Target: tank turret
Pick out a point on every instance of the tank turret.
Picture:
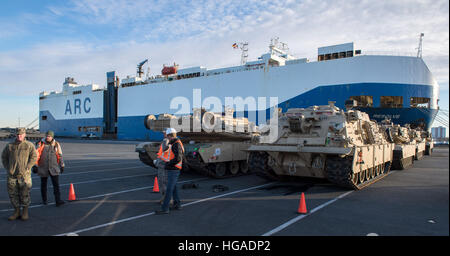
(405, 147)
(215, 143)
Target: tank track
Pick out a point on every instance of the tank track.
(428, 151)
(419, 155)
(339, 171)
(146, 159)
(401, 164)
(257, 163)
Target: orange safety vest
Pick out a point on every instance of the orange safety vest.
(169, 155)
(39, 152)
(163, 155)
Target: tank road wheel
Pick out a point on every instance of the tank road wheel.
(372, 173)
(220, 170)
(234, 167)
(387, 167)
(362, 176)
(355, 178)
(378, 170)
(243, 166)
(368, 174)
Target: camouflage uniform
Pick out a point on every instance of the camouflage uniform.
(17, 159)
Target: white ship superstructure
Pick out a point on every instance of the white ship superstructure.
(398, 87)
(74, 110)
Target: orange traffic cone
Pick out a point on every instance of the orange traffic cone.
(156, 186)
(302, 206)
(72, 193)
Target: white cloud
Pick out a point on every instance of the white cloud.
(201, 33)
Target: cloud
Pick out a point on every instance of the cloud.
(110, 35)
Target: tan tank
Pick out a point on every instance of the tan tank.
(347, 148)
(217, 149)
(415, 136)
(429, 143)
(405, 148)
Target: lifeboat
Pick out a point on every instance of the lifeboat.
(169, 70)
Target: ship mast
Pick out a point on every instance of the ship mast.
(419, 49)
(244, 48)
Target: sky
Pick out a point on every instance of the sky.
(42, 42)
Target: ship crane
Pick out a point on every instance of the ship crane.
(139, 68)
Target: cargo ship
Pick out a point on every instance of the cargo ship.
(400, 88)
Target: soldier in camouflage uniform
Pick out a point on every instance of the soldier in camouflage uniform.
(17, 158)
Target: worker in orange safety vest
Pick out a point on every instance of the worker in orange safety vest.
(49, 163)
(173, 168)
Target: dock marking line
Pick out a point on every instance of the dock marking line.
(292, 221)
(152, 213)
(108, 194)
(87, 172)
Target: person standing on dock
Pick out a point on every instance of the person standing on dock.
(50, 163)
(173, 168)
(17, 158)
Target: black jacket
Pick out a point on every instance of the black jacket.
(178, 155)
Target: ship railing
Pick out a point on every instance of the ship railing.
(165, 79)
(373, 53)
(389, 53)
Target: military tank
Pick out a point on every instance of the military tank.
(347, 148)
(416, 137)
(405, 148)
(215, 143)
(429, 143)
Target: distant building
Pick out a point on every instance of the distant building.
(438, 132)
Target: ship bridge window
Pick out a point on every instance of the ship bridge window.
(44, 117)
(419, 102)
(363, 100)
(391, 101)
(76, 92)
(334, 55)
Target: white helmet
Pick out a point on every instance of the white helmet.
(170, 131)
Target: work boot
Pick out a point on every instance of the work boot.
(25, 213)
(59, 203)
(176, 206)
(159, 212)
(15, 215)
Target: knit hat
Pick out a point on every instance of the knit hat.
(21, 131)
(50, 133)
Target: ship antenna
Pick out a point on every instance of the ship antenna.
(244, 48)
(419, 49)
